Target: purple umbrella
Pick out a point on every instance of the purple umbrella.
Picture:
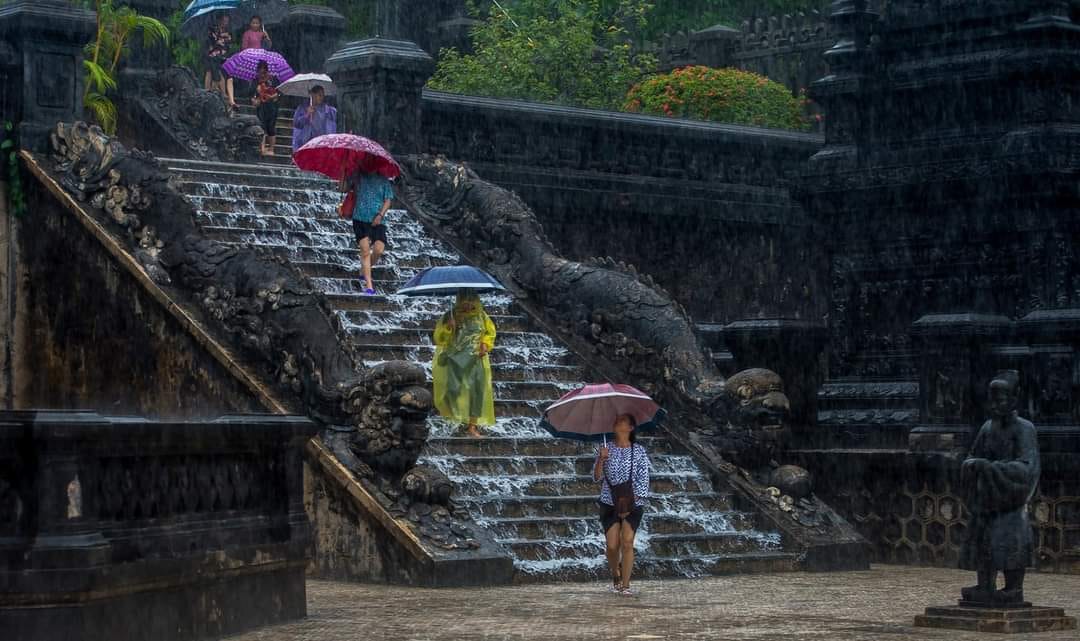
(243, 65)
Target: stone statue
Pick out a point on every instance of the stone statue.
(999, 478)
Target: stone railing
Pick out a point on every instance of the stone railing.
(158, 517)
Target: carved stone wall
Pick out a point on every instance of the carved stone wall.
(948, 183)
(92, 338)
(650, 192)
(911, 510)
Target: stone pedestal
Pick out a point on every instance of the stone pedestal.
(309, 36)
(957, 358)
(43, 69)
(380, 83)
(1001, 620)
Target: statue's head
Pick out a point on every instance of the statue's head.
(1004, 393)
(757, 413)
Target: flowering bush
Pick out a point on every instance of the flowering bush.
(722, 95)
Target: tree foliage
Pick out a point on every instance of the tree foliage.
(722, 95)
(103, 55)
(564, 51)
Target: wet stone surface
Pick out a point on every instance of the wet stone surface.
(844, 606)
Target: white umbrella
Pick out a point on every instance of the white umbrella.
(301, 84)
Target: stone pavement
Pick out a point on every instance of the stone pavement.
(847, 606)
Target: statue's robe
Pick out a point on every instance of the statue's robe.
(999, 535)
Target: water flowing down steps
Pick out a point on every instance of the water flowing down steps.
(534, 492)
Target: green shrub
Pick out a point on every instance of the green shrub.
(721, 95)
(563, 51)
(185, 51)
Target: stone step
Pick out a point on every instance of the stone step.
(231, 204)
(498, 487)
(547, 465)
(595, 569)
(422, 337)
(579, 506)
(268, 222)
(561, 527)
(386, 320)
(530, 446)
(425, 353)
(183, 164)
(660, 546)
(253, 177)
(339, 240)
(262, 193)
(347, 257)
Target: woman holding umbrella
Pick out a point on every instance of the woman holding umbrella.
(623, 473)
(593, 413)
(464, 337)
(217, 48)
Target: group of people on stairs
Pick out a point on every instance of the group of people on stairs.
(309, 120)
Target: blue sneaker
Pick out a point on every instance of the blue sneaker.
(369, 292)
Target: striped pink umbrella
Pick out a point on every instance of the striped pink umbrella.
(589, 413)
(339, 156)
(244, 65)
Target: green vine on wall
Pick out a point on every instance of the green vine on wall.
(16, 198)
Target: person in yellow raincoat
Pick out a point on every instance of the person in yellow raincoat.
(462, 372)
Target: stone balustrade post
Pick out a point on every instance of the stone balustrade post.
(67, 531)
(958, 355)
(380, 84)
(841, 91)
(309, 36)
(715, 46)
(44, 41)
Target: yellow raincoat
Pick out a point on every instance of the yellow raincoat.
(462, 377)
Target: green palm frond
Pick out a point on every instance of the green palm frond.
(103, 109)
(153, 30)
(98, 79)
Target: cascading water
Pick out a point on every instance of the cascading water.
(534, 492)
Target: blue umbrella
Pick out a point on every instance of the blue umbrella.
(446, 281)
(200, 15)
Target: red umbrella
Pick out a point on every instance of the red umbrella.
(340, 156)
(589, 413)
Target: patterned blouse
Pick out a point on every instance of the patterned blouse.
(617, 468)
(218, 42)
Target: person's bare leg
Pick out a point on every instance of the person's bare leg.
(611, 549)
(473, 430)
(270, 142)
(229, 92)
(206, 81)
(365, 260)
(626, 540)
(377, 252)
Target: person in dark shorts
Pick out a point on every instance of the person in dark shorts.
(623, 462)
(373, 197)
(218, 42)
(266, 107)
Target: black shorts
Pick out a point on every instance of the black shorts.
(213, 65)
(267, 113)
(609, 518)
(374, 233)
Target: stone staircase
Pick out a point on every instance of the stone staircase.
(534, 492)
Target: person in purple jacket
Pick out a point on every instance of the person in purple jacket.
(313, 119)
